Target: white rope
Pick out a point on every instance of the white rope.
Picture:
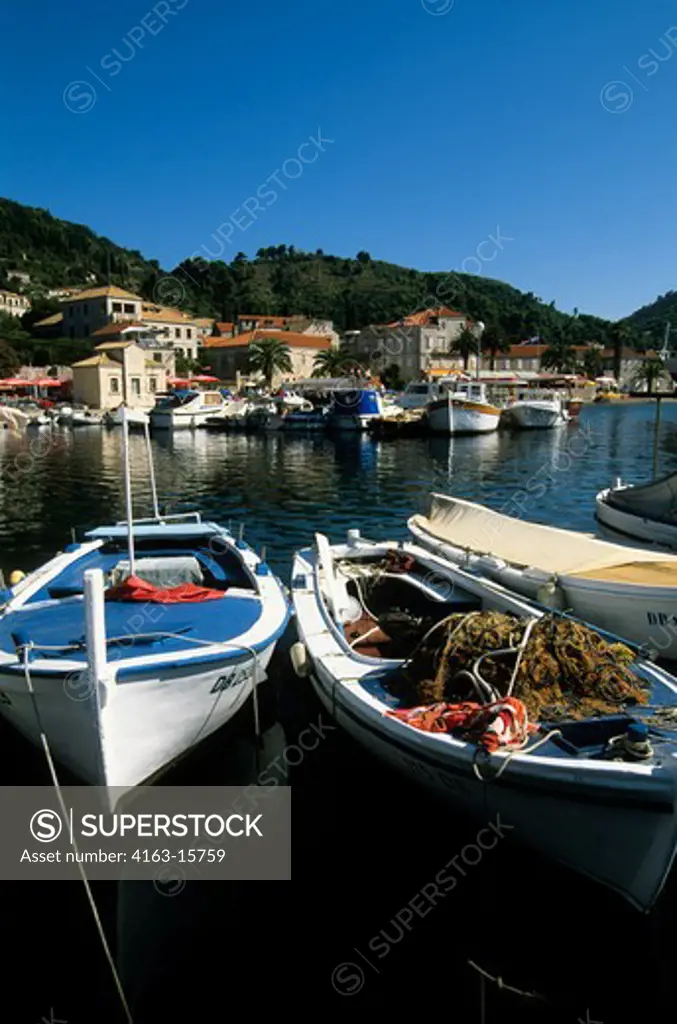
(520, 748)
(520, 652)
(64, 811)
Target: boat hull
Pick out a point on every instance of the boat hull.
(462, 417)
(535, 415)
(581, 832)
(126, 732)
(649, 531)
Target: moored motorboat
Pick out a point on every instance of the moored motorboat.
(598, 793)
(533, 410)
(354, 408)
(129, 648)
(628, 591)
(463, 408)
(186, 409)
(645, 512)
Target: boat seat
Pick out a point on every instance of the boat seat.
(162, 572)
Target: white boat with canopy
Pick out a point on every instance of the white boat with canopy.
(645, 512)
(628, 591)
(535, 409)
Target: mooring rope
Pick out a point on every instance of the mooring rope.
(64, 811)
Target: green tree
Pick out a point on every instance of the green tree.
(269, 356)
(592, 361)
(648, 374)
(9, 360)
(333, 362)
(619, 336)
(494, 340)
(466, 345)
(559, 355)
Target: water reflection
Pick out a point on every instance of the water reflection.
(286, 487)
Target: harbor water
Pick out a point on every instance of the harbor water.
(351, 932)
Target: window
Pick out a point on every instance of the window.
(117, 307)
(157, 356)
(180, 352)
(152, 384)
(189, 333)
(129, 307)
(136, 385)
(177, 332)
(114, 385)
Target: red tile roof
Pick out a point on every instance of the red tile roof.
(290, 338)
(223, 328)
(423, 318)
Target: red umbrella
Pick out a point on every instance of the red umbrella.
(16, 382)
(204, 378)
(178, 380)
(47, 382)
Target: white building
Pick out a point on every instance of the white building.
(417, 344)
(86, 311)
(13, 303)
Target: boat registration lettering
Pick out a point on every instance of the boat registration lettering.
(661, 619)
(234, 678)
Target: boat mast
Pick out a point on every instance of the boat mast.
(480, 332)
(128, 489)
(151, 470)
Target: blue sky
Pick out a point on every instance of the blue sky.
(552, 123)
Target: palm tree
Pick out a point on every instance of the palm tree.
(494, 340)
(618, 336)
(559, 355)
(269, 356)
(648, 373)
(333, 362)
(466, 345)
(592, 361)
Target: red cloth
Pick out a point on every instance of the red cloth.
(503, 724)
(136, 589)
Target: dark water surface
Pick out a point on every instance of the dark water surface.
(365, 841)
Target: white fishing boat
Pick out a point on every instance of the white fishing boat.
(573, 792)
(129, 648)
(645, 512)
(535, 410)
(628, 591)
(463, 408)
(186, 409)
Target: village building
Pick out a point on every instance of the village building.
(13, 303)
(417, 344)
(86, 311)
(229, 357)
(119, 371)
